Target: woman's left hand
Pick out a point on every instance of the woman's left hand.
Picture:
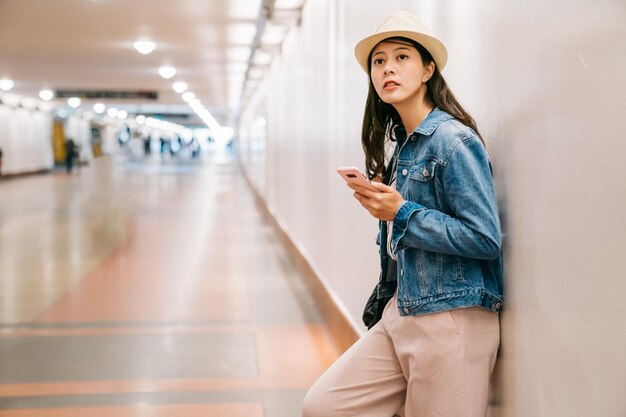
(382, 204)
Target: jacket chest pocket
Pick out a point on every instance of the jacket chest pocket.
(424, 186)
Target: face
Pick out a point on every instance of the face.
(398, 73)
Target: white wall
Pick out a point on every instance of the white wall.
(252, 140)
(25, 139)
(313, 114)
(545, 81)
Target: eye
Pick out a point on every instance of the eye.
(378, 61)
(402, 56)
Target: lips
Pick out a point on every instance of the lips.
(390, 84)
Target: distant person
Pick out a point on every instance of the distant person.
(161, 145)
(147, 143)
(195, 148)
(173, 148)
(71, 153)
(432, 344)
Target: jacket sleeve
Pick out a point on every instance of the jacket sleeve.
(473, 228)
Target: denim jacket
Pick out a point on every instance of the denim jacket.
(446, 234)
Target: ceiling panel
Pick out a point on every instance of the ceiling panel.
(87, 44)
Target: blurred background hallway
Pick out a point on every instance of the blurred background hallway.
(149, 287)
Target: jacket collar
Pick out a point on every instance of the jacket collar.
(427, 127)
(432, 121)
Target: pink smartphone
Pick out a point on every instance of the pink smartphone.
(354, 176)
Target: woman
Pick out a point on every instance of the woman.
(434, 348)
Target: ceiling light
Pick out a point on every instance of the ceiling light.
(188, 96)
(238, 54)
(144, 47)
(6, 85)
(262, 58)
(112, 112)
(141, 119)
(289, 4)
(99, 108)
(180, 87)
(122, 114)
(241, 33)
(207, 118)
(46, 95)
(237, 67)
(167, 72)
(73, 102)
(273, 34)
(255, 73)
(252, 84)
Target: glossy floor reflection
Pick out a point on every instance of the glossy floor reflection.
(149, 287)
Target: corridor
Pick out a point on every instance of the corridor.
(150, 288)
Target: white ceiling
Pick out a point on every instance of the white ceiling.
(87, 44)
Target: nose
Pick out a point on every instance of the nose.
(388, 69)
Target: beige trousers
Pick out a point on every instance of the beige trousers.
(435, 365)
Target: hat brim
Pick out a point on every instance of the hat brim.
(432, 45)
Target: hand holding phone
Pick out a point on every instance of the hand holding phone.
(352, 175)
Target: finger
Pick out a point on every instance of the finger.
(362, 190)
(355, 187)
(362, 201)
(359, 197)
(382, 187)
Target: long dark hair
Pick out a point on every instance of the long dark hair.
(380, 119)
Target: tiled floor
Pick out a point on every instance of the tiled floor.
(150, 288)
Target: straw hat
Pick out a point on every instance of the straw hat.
(406, 25)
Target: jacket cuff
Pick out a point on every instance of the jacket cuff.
(401, 223)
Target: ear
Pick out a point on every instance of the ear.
(429, 70)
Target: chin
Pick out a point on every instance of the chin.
(386, 98)
(391, 100)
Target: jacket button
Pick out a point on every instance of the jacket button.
(402, 272)
(406, 310)
(405, 171)
(498, 305)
